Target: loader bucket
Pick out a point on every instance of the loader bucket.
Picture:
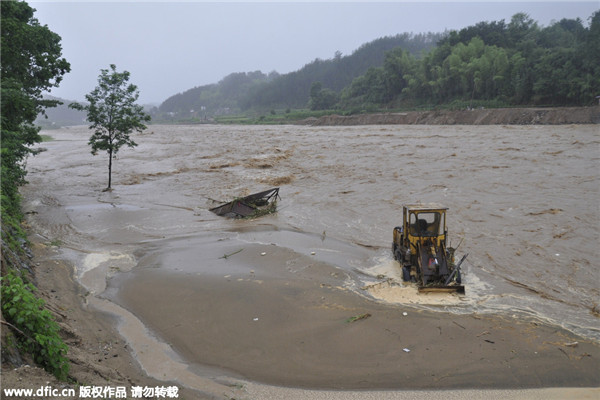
(442, 289)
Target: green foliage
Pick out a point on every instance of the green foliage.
(284, 117)
(517, 63)
(358, 317)
(31, 64)
(322, 98)
(12, 233)
(113, 114)
(271, 208)
(39, 334)
(216, 99)
(382, 85)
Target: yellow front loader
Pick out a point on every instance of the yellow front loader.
(419, 246)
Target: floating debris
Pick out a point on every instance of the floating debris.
(252, 206)
(226, 256)
(358, 317)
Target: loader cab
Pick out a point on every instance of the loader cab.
(424, 224)
(427, 223)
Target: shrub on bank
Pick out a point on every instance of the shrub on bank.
(38, 332)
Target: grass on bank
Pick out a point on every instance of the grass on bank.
(274, 117)
(289, 116)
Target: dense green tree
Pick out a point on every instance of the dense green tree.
(522, 31)
(515, 63)
(589, 53)
(384, 84)
(398, 64)
(474, 71)
(557, 78)
(322, 98)
(365, 90)
(492, 33)
(565, 33)
(113, 114)
(31, 64)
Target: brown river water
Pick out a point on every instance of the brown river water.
(523, 203)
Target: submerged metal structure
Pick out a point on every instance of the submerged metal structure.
(254, 205)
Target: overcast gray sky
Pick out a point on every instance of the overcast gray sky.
(170, 47)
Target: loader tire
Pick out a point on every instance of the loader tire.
(398, 256)
(406, 274)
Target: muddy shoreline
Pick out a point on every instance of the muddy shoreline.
(491, 116)
(292, 329)
(98, 355)
(499, 357)
(521, 359)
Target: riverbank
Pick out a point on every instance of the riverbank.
(489, 116)
(97, 353)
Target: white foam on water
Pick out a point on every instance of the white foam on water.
(389, 287)
(96, 268)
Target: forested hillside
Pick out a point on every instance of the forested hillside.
(489, 64)
(256, 90)
(61, 115)
(214, 99)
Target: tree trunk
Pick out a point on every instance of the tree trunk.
(109, 167)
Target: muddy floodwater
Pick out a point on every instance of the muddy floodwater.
(523, 203)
